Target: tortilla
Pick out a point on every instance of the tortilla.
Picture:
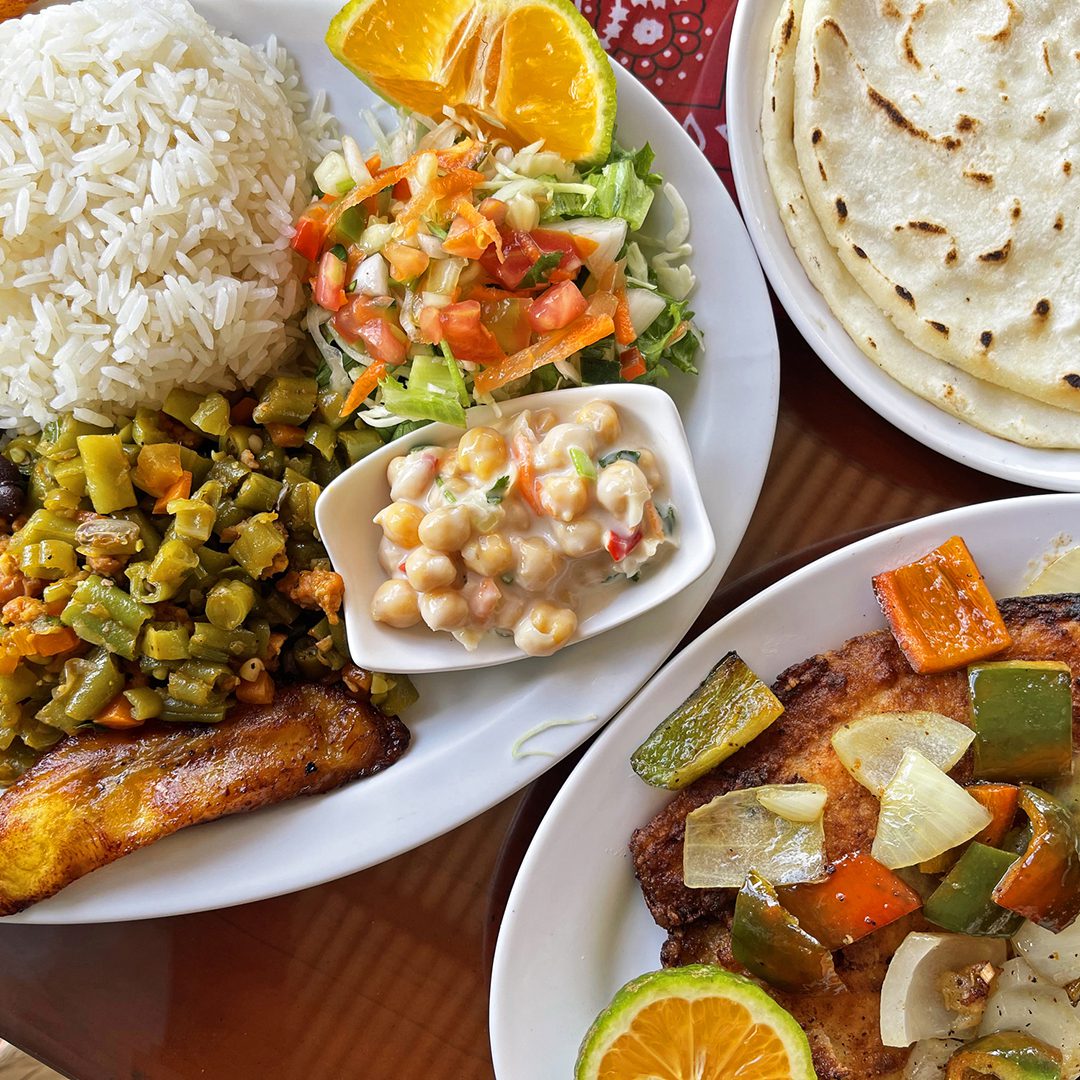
(935, 139)
(984, 405)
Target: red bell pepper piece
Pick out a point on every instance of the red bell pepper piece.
(631, 363)
(311, 231)
(619, 546)
(858, 897)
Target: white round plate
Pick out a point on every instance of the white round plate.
(465, 724)
(1057, 470)
(576, 927)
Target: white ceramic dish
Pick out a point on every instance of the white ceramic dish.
(1057, 470)
(576, 927)
(345, 511)
(465, 724)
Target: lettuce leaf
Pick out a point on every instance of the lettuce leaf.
(432, 393)
(624, 188)
(671, 339)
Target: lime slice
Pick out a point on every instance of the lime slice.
(694, 1023)
(535, 67)
(1061, 576)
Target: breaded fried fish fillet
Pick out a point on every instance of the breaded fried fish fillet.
(100, 794)
(867, 675)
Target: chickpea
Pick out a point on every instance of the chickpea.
(437, 496)
(450, 465)
(517, 516)
(391, 556)
(400, 523)
(410, 476)
(395, 603)
(648, 465)
(579, 538)
(482, 451)
(444, 609)
(622, 489)
(489, 554)
(446, 529)
(543, 420)
(602, 418)
(508, 613)
(393, 470)
(554, 451)
(538, 564)
(427, 569)
(544, 629)
(564, 497)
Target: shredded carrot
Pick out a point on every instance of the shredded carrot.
(117, 715)
(521, 452)
(456, 182)
(584, 245)
(363, 386)
(492, 292)
(53, 642)
(652, 520)
(471, 233)
(285, 436)
(181, 489)
(625, 334)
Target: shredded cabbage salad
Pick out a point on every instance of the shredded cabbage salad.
(450, 270)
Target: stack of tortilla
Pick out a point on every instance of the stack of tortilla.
(925, 157)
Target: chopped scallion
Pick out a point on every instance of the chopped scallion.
(583, 464)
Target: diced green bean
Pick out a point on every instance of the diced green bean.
(39, 736)
(85, 688)
(212, 415)
(323, 438)
(304, 553)
(60, 501)
(258, 493)
(392, 693)
(271, 460)
(326, 472)
(209, 642)
(60, 436)
(196, 464)
(95, 592)
(215, 563)
(163, 577)
(277, 608)
(70, 475)
(229, 516)
(146, 428)
(40, 482)
(180, 712)
(228, 473)
(127, 433)
(108, 477)
(261, 629)
(102, 614)
(298, 505)
(145, 702)
(181, 405)
(309, 661)
(259, 545)
(166, 641)
(287, 399)
(358, 444)
(229, 603)
(48, 560)
(59, 591)
(298, 468)
(210, 492)
(329, 408)
(193, 520)
(238, 439)
(186, 687)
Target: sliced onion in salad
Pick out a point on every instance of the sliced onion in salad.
(871, 747)
(1022, 1000)
(609, 235)
(912, 1004)
(737, 832)
(372, 276)
(1054, 956)
(645, 308)
(923, 814)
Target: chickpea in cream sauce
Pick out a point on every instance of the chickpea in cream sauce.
(520, 528)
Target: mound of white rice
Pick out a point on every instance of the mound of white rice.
(150, 173)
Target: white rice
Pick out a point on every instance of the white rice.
(150, 172)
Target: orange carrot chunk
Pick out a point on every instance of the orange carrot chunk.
(940, 610)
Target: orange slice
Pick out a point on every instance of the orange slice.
(694, 1023)
(533, 68)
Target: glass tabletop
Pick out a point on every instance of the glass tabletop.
(384, 974)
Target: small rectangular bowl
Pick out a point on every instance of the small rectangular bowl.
(345, 510)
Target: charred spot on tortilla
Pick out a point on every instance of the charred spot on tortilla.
(927, 227)
(951, 256)
(1041, 117)
(1046, 58)
(821, 169)
(815, 138)
(1059, 223)
(904, 295)
(1005, 32)
(1073, 381)
(979, 177)
(871, 342)
(892, 111)
(841, 207)
(1066, 167)
(858, 251)
(940, 327)
(998, 255)
(965, 122)
(891, 11)
(789, 28)
(986, 337)
(1042, 308)
(909, 51)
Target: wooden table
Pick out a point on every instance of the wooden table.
(384, 975)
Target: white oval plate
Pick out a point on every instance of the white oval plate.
(465, 724)
(576, 927)
(1057, 470)
(346, 511)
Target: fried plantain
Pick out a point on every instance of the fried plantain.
(868, 674)
(100, 795)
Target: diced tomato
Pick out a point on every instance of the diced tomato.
(507, 318)
(552, 240)
(493, 210)
(430, 325)
(385, 342)
(311, 231)
(359, 309)
(329, 288)
(466, 334)
(619, 546)
(401, 190)
(559, 306)
(632, 363)
(405, 262)
(519, 252)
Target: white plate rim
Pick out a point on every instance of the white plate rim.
(529, 926)
(253, 857)
(1054, 470)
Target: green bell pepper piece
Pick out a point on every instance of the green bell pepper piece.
(963, 901)
(1007, 1055)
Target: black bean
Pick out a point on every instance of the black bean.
(11, 499)
(9, 474)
